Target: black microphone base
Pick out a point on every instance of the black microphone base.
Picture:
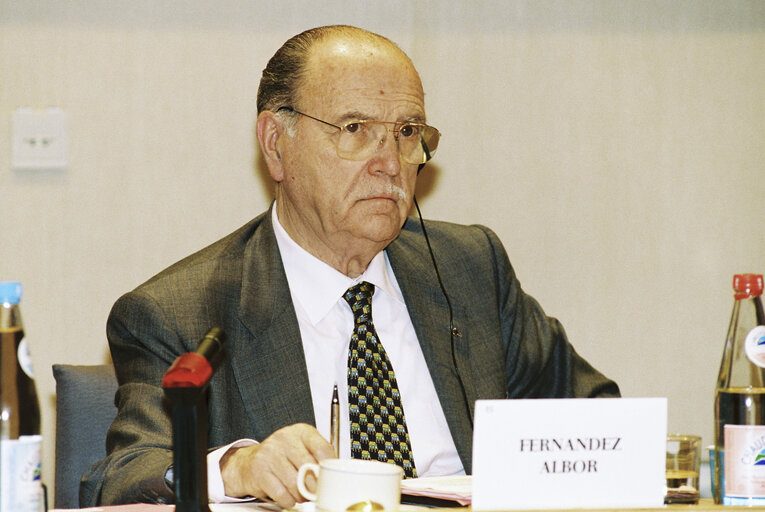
(189, 414)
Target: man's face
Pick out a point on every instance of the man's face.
(335, 202)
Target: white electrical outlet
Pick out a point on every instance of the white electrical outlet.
(40, 139)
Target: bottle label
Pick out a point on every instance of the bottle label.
(744, 461)
(755, 346)
(25, 359)
(20, 484)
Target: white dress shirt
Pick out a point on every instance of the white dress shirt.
(326, 322)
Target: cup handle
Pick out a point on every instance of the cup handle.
(302, 472)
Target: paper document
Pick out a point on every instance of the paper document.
(458, 489)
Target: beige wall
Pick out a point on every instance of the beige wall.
(615, 147)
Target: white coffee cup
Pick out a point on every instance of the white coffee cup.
(354, 484)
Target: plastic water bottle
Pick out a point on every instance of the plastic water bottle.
(740, 400)
(20, 483)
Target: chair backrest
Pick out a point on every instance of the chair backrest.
(84, 410)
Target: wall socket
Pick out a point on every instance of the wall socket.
(40, 139)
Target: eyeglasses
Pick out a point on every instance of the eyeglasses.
(359, 140)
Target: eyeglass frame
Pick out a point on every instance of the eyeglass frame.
(396, 131)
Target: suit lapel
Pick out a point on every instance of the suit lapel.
(430, 317)
(272, 357)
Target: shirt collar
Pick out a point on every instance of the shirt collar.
(316, 286)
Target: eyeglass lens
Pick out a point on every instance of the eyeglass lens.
(361, 139)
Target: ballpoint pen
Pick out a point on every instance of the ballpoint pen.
(334, 422)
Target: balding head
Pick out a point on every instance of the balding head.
(285, 72)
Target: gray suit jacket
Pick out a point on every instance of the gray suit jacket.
(508, 347)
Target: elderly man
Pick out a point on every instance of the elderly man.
(343, 131)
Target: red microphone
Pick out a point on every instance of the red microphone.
(185, 385)
(194, 369)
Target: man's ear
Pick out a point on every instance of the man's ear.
(269, 130)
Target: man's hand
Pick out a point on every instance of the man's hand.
(268, 470)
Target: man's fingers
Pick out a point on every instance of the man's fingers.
(275, 490)
(269, 470)
(317, 446)
(310, 481)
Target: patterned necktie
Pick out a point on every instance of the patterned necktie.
(378, 427)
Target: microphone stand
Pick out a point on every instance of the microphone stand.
(185, 385)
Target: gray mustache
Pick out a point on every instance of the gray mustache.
(388, 189)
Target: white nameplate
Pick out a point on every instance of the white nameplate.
(569, 453)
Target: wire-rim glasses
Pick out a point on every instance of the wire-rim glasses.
(360, 139)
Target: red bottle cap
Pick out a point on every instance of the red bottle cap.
(747, 285)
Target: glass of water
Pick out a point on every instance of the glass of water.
(682, 469)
